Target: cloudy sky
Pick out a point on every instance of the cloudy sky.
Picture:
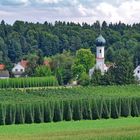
(127, 11)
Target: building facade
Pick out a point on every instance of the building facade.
(18, 70)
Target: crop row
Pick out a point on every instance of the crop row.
(47, 105)
(58, 110)
(28, 82)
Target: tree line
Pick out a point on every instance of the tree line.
(61, 41)
(22, 39)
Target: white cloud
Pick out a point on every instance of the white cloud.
(48, 1)
(127, 11)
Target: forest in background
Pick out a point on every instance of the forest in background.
(23, 40)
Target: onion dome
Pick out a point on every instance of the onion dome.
(100, 41)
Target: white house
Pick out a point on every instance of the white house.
(18, 70)
(100, 59)
(137, 72)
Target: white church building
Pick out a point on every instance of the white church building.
(100, 59)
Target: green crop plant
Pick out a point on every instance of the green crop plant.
(58, 104)
(28, 82)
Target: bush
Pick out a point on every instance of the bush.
(84, 79)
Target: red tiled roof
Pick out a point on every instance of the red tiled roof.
(46, 63)
(24, 63)
(2, 66)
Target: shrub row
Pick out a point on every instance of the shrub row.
(58, 104)
(59, 110)
(28, 82)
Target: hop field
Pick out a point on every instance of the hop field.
(28, 82)
(52, 105)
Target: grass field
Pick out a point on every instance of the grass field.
(111, 129)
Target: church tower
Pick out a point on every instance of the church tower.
(100, 60)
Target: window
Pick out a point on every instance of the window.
(100, 51)
(21, 70)
(138, 71)
(16, 69)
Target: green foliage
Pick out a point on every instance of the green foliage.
(23, 38)
(86, 58)
(109, 77)
(96, 78)
(61, 65)
(32, 64)
(120, 73)
(78, 70)
(110, 54)
(59, 75)
(47, 105)
(111, 129)
(123, 69)
(84, 79)
(28, 82)
(42, 71)
(36, 41)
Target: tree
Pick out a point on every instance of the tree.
(62, 65)
(110, 54)
(136, 58)
(104, 25)
(123, 69)
(42, 71)
(32, 64)
(96, 78)
(23, 38)
(84, 79)
(86, 58)
(108, 78)
(78, 70)
(59, 75)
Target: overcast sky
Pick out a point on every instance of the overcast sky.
(127, 11)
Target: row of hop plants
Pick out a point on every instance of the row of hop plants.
(28, 82)
(53, 110)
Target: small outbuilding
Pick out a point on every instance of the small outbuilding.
(4, 74)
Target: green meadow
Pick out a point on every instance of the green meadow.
(110, 129)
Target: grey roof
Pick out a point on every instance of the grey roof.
(4, 73)
(100, 41)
